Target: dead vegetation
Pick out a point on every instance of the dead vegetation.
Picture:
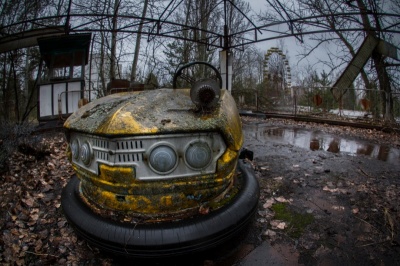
(33, 228)
(355, 214)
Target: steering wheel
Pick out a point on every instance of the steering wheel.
(204, 92)
(179, 74)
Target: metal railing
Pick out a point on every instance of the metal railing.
(330, 103)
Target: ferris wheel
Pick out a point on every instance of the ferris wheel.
(277, 76)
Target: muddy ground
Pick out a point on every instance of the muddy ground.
(321, 206)
(318, 205)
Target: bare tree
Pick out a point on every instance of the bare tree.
(18, 66)
(336, 18)
(138, 40)
(202, 15)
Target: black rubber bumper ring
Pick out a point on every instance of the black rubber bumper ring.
(165, 239)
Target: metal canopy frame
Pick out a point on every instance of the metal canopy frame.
(12, 38)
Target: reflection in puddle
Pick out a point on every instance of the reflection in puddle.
(318, 140)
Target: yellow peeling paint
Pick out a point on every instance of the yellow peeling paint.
(229, 156)
(162, 111)
(148, 113)
(124, 176)
(116, 189)
(121, 122)
(166, 200)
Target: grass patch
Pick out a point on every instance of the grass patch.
(296, 222)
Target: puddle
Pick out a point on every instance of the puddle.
(318, 140)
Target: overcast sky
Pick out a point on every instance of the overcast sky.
(291, 48)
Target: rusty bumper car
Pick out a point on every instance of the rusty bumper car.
(157, 172)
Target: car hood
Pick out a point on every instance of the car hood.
(161, 111)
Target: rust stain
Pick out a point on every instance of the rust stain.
(161, 111)
(157, 112)
(116, 189)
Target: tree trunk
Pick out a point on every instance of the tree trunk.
(204, 16)
(15, 84)
(185, 33)
(379, 65)
(4, 89)
(138, 39)
(114, 40)
(101, 65)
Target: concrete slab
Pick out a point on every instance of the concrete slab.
(267, 254)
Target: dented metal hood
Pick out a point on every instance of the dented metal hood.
(161, 111)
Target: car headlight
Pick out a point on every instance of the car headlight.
(198, 155)
(75, 149)
(163, 159)
(86, 153)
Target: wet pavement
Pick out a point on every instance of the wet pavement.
(347, 180)
(319, 140)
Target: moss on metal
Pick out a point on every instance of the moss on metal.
(157, 112)
(150, 197)
(160, 111)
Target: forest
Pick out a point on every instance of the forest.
(128, 42)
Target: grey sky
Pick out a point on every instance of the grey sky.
(292, 48)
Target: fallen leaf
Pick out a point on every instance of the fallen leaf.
(268, 203)
(338, 208)
(51, 165)
(204, 210)
(281, 199)
(277, 224)
(269, 233)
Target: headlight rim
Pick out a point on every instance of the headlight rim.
(87, 161)
(158, 145)
(75, 155)
(210, 160)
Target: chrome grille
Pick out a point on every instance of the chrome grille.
(132, 151)
(129, 144)
(102, 156)
(126, 158)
